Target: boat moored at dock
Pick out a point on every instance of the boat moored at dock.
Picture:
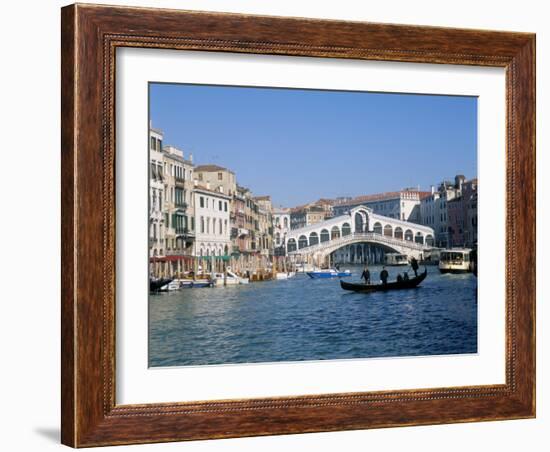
(284, 275)
(228, 279)
(394, 259)
(159, 284)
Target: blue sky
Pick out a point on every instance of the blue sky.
(301, 145)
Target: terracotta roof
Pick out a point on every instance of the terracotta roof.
(211, 168)
(382, 197)
(371, 198)
(209, 190)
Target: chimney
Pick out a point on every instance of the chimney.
(432, 189)
(191, 158)
(208, 185)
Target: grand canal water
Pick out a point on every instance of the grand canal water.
(304, 319)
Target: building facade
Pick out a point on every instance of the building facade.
(402, 205)
(212, 236)
(451, 211)
(156, 195)
(265, 225)
(306, 216)
(281, 227)
(179, 208)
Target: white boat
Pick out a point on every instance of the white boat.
(284, 275)
(304, 268)
(455, 260)
(232, 279)
(396, 259)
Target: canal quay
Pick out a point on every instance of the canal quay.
(304, 319)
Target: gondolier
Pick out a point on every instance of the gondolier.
(366, 275)
(414, 265)
(384, 276)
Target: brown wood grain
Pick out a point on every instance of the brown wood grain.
(90, 36)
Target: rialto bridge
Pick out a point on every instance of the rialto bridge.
(360, 226)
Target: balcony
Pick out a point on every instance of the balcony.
(181, 205)
(185, 233)
(179, 181)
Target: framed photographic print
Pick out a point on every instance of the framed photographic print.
(281, 225)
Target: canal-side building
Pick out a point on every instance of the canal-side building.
(156, 196)
(212, 236)
(471, 231)
(281, 227)
(220, 179)
(265, 225)
(252, 221)
(239, 234)
(456, 221)
(179, 209)
(451, 210)
(303, 216)
(402, 205)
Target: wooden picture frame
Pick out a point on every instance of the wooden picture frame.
(90, 36)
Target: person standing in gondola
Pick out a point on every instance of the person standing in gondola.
(366, 275)
(414, 265)
(384, 276)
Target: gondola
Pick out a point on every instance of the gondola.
(395, 285)
(156, 285)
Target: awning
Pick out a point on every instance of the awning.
(171, 258)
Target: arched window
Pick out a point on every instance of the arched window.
(408, 235)
(334, 233)
(278, 237)
(285, 222)
(226, 250)
(388, 230)
(346, 229)
(313, 239)
(325, 236)
(291, 246)
(398, 233)
(377, 228)
(302, 242)
(429, 240)
(419, 238)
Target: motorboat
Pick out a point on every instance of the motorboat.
(393, 259)
(284, 275)
(328, 273)
(455, 260)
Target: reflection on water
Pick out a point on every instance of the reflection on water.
(303, 319)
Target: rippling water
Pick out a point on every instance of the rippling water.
(304, 319)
